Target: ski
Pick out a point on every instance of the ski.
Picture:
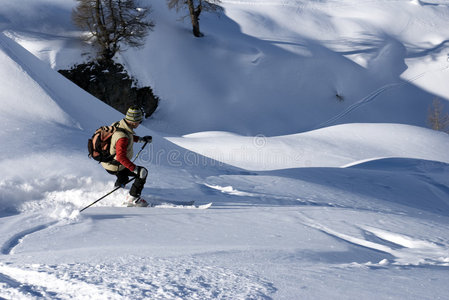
(204, 206)
(164, 203)
(186, 205)
(156, 201)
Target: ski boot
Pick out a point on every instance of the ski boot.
(132, 201)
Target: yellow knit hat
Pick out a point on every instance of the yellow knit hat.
(134, 114)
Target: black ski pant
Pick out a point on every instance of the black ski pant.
(123, 177)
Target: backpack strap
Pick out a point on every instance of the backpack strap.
(116, 124)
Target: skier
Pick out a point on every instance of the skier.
(122, 142)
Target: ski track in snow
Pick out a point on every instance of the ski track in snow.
(13, 234)
(16, 239)
(406, 250)
(40, 284)
(277, 198)
(371, 97)
(138, 278)
(358, 104)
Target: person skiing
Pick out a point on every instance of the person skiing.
(122, 142)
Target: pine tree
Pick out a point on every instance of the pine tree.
(112, 24)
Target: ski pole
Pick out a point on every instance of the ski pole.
(118, 187)
(141, 149)
(107, 194)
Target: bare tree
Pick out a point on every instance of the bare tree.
(195, 8)
(112, 24)
(437, 118)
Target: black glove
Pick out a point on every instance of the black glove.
(141, 172)
(146, 139)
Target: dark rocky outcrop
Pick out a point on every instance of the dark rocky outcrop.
(109, 82)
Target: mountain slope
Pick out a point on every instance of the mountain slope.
(310, 64)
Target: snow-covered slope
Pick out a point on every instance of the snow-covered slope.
(283, 67)
(336, 146)
(310, 64)
(328, 213)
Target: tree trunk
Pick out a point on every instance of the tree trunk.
(195, 17)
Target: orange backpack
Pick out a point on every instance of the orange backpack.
(100, 144)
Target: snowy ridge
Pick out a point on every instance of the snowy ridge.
(336, 146)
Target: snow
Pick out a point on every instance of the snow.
(336, 146)
(314, 197)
